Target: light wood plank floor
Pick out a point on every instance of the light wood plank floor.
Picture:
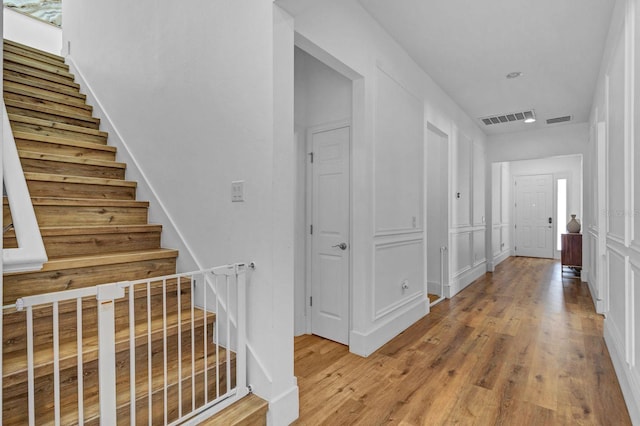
(521, 346)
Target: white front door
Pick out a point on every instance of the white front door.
(534, 213)
(329, 233)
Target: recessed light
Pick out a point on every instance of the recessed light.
(514, 74)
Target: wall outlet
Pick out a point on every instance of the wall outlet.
(237, 191)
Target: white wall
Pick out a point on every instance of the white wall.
(393, 101)
(568, 139)
(322, 96)
(566, 167)
(200, 96)
(30, 31)
(613, 212)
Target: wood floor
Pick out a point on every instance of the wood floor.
(521, 346)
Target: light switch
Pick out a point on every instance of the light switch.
(237, 191)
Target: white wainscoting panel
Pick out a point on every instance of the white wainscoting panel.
(397, 263)
(478, 246)
(460, 253)
(617, 297)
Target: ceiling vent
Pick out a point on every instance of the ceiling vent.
(507, 118)
(559, 119)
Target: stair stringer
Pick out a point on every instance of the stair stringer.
(171, 234)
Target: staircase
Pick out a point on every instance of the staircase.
(95, 232)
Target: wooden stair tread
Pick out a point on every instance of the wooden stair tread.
(69, 159)
(105, 259)
(85, 202)
(23, 71)
(249, 411)
(32, 49)
(51, 111)
(48, 231)
(22, 135)
(59, 91)
(19, 118)
(47, 177)
(43, 85)
(50, 102)
(16, 363)
(8, 48)
(37, 65)
(45, 94)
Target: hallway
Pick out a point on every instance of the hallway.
(520, 346)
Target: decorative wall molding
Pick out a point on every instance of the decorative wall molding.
(389, 245)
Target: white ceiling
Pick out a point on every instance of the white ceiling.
(468, 47)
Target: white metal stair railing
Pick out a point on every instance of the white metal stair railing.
(30, 254)
(179, 372)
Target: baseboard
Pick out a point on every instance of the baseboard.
(501, 257)
(171, 235)
(463, 280)
(364, 344)
(434, 288)
(628, 377)
(284, 408)
(598, 303)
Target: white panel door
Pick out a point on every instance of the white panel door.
(534, 213)
(330, 236)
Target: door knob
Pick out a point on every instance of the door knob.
(341, 246)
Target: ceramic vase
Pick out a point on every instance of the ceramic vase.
(573, 227)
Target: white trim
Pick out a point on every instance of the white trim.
(382, 312)
(30, 254)
(464, 280)
(284, 408)
(365, 343)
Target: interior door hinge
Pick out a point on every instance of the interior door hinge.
(311, 156)
(311, 301)
(311, 229)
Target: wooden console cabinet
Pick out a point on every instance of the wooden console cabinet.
(571, 254)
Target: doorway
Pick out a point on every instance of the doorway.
(534, 216)
(323, 110)
(437, 175)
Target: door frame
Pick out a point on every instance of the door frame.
(309, 216)
(554, 209)
(445, 267)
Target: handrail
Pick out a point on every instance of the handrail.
(30, 254)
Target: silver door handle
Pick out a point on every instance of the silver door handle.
(341, 246)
